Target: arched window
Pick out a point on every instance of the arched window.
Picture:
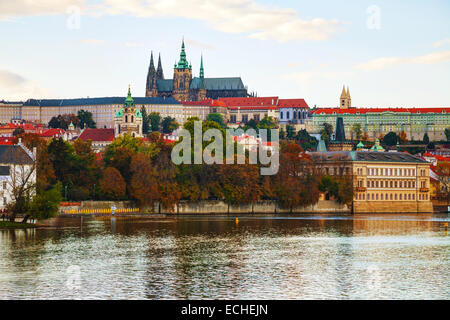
(126, 118)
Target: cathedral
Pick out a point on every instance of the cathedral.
(184, 87)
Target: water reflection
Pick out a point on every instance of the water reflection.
(304, 257)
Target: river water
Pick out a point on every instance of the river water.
(212, 257)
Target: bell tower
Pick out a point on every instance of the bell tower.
(182, 77)
(345, 101)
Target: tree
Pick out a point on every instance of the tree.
(357, 131)
(112, 185)
(305, 140)
(239, 183)
(155, 120)
(22, 188)
(86, 120)
(216, 117)
(143, 185)
(45, 204)
(169, 125)
(447, 133)
(365, 136)
(326, 132)
(390, 139)
(251, 124)
(18, 131)
(145, 121)
(268, 123)
(426, 139)
(402, 137)
(290, 131)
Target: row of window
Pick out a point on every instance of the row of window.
(390, 172)
(390, 184)
(295, 115)
(390, 196)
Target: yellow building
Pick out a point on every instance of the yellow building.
(388, 182)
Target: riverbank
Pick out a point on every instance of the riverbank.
(15, 225)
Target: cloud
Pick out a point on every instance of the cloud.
(16, 8)
(381, 63)
(15, 87)
(234, 16)
(132, 44)
(94, 42)
(442, 42)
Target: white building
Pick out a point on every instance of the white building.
(17, 167)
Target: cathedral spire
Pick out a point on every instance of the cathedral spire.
(152, 65)
(159, 71)
(343, 94)
(202, 72)
(183, 63)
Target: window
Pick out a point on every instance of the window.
(281, 115)
(245, 118)
(233, 119)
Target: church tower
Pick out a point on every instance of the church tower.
(127, 119)
(202, 88)
(159, 71)
(345, 101)
(182, 77)
(151, 89)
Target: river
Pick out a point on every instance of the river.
(219, 257)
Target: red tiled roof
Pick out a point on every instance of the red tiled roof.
(25, 126)
(380, 110)
(205, 102)
(6, 141)
(54, 132)
(292, 103)
(250, 101)
(254, 108)
(97, 134)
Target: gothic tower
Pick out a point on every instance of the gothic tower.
(202, 89)
(345, 101)
(182, 77)
(151, 89)
(159, 71)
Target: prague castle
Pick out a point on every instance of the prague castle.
(185, 87)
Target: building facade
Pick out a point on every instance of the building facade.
(17, 168)
(185, 87)
(415, 122)
(385, 182)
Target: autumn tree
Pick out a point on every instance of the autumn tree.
(112, 185)
(143, 185)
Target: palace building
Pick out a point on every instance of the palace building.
(185, 87)
(384, 182)
(376, 122)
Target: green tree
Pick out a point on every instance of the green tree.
(426, 139)
(145, 121)
(326, 132)
(86, 120)
(357, 131)
(169, 125)
(447, 133)
(216, 117)
(45, 204)
(290, 131)
(155, 121)
(390, 139)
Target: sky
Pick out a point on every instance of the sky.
(392, 53)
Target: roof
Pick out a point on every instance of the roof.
(366, 156)
(98, 101)
(219, 83)
(379, 110)
(205, 102)
(54, 132)
(292, 103)
(95, 135)
(4, 170)
(250, 101)
(14, 154)
(25, 126)
(7, 140)
(164, 85)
